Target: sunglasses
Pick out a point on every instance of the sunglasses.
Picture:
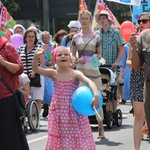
(144, 21)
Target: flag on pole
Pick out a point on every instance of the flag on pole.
(6, 20)
(127, 2)
(82, 6)
(100, 5)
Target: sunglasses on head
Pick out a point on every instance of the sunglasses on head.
(144, 21)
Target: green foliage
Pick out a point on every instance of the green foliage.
(11, 5)
(10, 24)
(120, 11)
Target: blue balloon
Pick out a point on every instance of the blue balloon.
(125, 1)
(82, 99)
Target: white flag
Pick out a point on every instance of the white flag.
(131, 2)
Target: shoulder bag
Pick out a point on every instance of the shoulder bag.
(20, 102)
(36, 81)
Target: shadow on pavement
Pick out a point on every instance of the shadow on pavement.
(107, 142)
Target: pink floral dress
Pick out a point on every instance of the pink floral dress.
(67, 130)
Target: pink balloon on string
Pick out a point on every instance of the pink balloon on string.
(17, 40)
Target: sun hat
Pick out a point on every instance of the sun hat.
(74, 24)
(103, 12)
(18, 26)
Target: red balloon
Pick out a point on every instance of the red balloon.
(126, 29)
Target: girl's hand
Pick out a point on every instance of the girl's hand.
(81, 61)
(95, 101)
(40, 50)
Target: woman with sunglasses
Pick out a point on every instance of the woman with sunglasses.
(136, 86)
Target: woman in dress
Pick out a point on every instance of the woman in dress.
(86, 44)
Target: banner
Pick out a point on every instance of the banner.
(6, 21)
(100, 5)
(137, 11)
(127, 2)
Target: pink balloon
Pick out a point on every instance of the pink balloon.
(17, 40)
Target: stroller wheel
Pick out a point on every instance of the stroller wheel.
(33, 116)
(109, 120)
(118, 117)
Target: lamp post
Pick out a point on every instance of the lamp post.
(46, 14)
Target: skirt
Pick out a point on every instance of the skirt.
(11, 132)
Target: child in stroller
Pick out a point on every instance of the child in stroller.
(112, 115)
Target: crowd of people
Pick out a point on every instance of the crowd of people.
(63, 66)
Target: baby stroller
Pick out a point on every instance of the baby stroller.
(109, 85)
(30, 117)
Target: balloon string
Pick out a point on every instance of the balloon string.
(97, 113)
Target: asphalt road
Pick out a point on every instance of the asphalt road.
(117, 138)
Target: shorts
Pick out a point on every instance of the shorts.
(37, 93)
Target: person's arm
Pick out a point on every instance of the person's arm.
(81, 77)
(74, 59)
(13, 64)
(39, 69)
(135, 59)
(98, 49)
(26, 89)
(128, 62)
(120, 55)
(136, 63)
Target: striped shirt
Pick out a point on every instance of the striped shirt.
(110, 42)
(27, 58)
(80, 40)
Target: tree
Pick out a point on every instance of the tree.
(11, 5)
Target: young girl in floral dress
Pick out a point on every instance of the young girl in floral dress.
(67, 130)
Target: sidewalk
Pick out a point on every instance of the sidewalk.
(120, 138)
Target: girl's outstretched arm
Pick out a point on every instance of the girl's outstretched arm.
(81, 77)
(38, 69)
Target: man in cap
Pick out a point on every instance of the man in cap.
(112, 44)
(75, 27)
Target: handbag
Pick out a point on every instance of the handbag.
(19, 97)
(36, 81)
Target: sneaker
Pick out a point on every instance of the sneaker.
(45, 112)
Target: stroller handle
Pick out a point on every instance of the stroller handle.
(108, 66)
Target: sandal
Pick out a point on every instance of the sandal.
(101, 134)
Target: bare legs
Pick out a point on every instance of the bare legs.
(139, 118)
